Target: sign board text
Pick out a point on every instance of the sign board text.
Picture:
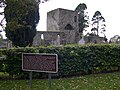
(40, 62)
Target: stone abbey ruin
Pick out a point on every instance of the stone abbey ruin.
(62, 28)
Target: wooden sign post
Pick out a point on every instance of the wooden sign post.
(40, 63)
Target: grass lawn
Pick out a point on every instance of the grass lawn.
(110, 81)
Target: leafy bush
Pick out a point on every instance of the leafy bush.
(73, 60)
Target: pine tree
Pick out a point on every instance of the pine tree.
(83, 18)
(98, 23)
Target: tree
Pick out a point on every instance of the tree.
(22, 17)
(2, 19)
(83, 18)
(1, 37)
(115, 39)
(98, 23)
(2, 5)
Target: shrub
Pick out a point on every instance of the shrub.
(73, 60)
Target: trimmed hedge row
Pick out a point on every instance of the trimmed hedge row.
(73, 60)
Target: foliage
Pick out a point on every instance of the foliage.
(73, 60)
(1, 38)
(13, 61)
(22, 17)
(4, 3)
(82, 17)
(115, 39)
(93, 38)
(2, 6)
(98, 23)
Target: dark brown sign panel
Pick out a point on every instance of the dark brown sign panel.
(40, 62)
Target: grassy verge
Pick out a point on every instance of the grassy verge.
(110, 81)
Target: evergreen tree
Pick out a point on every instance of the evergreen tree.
(98, 23)
(2, 26)
(2, 6)
(22, 17)
(83, 18)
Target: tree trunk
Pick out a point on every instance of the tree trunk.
(97, 27)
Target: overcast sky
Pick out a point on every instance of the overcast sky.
(108, 8)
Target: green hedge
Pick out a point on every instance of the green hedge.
(73, 60)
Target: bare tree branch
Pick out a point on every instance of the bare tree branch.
(1, 13)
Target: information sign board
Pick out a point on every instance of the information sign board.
(40, 62)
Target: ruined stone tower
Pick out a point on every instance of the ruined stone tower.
(62, 19)
(61, 23)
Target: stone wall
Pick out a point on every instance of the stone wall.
(59, 18)
(68, 17)
(51, 37)
(45, 37)
(53, 20)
